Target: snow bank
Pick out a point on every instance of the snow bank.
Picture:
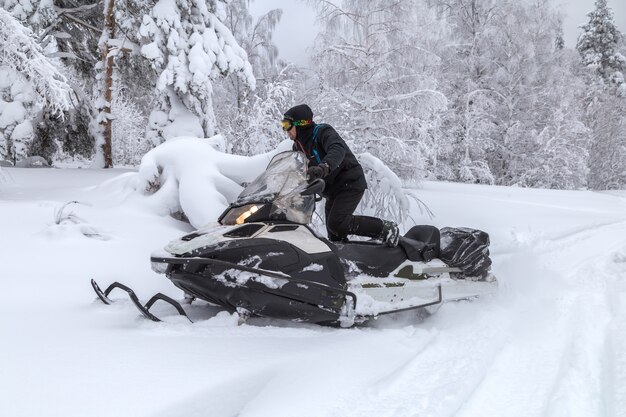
(192, 176)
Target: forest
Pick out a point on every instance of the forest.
(473, 91)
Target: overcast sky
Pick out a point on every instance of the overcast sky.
(297, 29)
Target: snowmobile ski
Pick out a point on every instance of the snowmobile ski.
(144, 309)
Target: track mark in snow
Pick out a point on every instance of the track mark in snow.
(585, 246)
(587, 230)
(550, 367)
(397, 372)
(440, 376)
(228, 399)
(615, 353)
(578, 387)
(570, 360)
(551, 350)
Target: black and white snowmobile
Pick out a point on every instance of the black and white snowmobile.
(263, 258)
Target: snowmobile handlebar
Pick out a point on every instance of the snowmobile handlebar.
(314, 187)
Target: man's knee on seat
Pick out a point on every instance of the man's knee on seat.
(338, 227)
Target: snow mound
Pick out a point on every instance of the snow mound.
(192, 176)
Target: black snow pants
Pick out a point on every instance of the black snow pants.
(340, 221)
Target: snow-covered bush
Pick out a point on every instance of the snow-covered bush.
(129, 141)
(476, 172)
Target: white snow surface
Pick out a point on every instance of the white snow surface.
(552, 342)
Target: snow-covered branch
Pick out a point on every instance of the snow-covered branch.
(22, 53)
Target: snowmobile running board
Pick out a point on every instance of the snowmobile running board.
(144, 309)
(432, 303)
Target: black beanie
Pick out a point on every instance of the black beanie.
(299, 112)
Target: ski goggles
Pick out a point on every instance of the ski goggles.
(288, 124)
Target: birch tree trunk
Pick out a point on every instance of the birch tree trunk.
(107, 61)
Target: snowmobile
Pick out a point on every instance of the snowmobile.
(264, 258)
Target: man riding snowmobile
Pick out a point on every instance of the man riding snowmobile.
(331, 159)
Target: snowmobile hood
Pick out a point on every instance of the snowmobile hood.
(209, 235)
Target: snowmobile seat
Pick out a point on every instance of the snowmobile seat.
(421, 243)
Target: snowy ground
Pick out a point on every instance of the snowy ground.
(551, 343)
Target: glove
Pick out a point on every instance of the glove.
(317, 171)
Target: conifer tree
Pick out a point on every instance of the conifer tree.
(598, 46)
(604, 103)
(188, 44)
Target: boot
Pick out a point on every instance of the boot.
(390, 234)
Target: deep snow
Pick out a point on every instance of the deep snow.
(552, 342)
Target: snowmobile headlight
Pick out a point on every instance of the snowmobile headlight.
(242, 218)
(158, 267)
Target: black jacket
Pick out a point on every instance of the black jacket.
(345, 171)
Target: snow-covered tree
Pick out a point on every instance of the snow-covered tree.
(104, 131)
(29, 83)
(67, 31)
(606, 118)
(513, 96)
(37, 13)
(256, 128)
(121, 68)
(129, 143)
(255, 37)
(605, 100)
(598, 46)
(375, 64)
(249, 119)
(188, 43)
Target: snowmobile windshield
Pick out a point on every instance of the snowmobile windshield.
(275, 194)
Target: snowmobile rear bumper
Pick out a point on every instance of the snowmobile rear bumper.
(263, 292)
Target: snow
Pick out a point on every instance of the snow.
(313, 267)
(22, 131)
(550, 343)
(237, 278)
(150, 51)
(12, 112)
(195, 177)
